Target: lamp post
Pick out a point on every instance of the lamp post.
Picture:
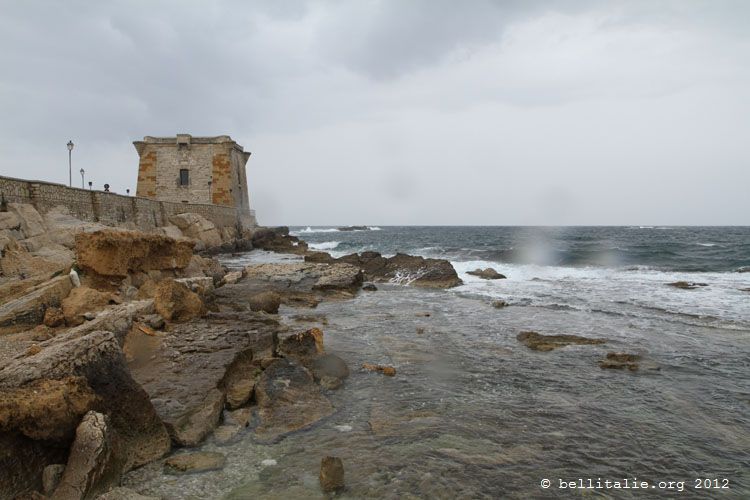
(70, 163)
(82, 183)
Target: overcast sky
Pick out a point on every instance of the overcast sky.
(403, 111)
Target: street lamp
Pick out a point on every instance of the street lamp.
(70, 163)
(82, 183)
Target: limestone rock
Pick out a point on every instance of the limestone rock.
(22, 461)
(82, 300)
(46, 409)
(225, 434)
(193, 427)
(331, 474)
(499, 304)
(265, 301)
(278, 240)
(539, 342)
(95, 463)
(117, 253)
(201, 461)
(30, 308)
(51, 476)
(97, 357)
(176, 302)
(239, 417)
(487, 273)
(232, 277)
(288, 400)
(29, 221)
(339, 277)
(53, 317)
(302, 345)
(197, 227)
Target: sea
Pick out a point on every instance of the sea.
(473, 413)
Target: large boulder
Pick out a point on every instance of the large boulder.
(82, 300)
(30, 222)
(95, 463)
(302, 345)
(288, 400)
(97, 357)
(117, 253)
(197, 227)
(47, 410)
(174, 301)
(278, 240)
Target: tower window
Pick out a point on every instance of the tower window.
(184, 177)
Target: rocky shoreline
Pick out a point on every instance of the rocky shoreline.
(119, 347)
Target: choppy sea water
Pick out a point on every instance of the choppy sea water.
(474, 414)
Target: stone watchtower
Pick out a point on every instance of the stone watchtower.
(191, 169)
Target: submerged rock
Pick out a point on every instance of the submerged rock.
(620, 361)
(539, 342)
(200, 461)
(499, 304)
(385, 370)
(487, 273)
(331, 474)
(288, 400)
(303, 345)
(686, 285)
(369, 287)
(121, 493)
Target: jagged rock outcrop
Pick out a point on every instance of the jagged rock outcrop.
(401, 268)
(268, 302)
(487, 274)
(30, 307)
(199, 228)
(117, 253)
(278, 240)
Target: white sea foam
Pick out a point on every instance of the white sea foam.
(374, 228)
(706, 244)
(309, 230)
(268, 462)
(325, 245)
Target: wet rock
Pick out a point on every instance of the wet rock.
(196, 425)
(620, 361)
(83, 300)
(339, 277)
(354, 228)
(268, 302)
(487, 273)
(686, 285)
(117, 253)
(330, 383)
(95, 463)
(420, 330)
(176, 302)
(369, 287)
(53, 317)
(196, 360)
(539, 342)
(278, 240)
(384, 369)
(302, 345)
(288, 400)
(499, 304)
(331, 474)
(329, 365)
(51, 476)
(46, 409)
(239, 393)
(311, 318)
(201, 461)
(240, 378)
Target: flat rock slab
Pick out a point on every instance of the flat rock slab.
(191, 367)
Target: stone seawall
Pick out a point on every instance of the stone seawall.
(114, 209)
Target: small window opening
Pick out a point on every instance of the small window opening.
(184, 177)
